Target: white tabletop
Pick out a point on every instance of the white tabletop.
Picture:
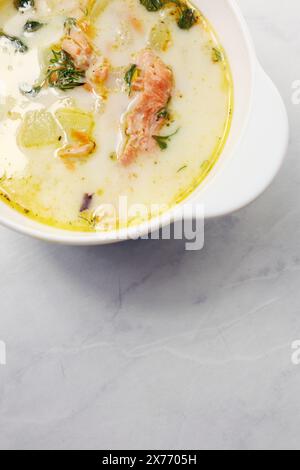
(146, 345)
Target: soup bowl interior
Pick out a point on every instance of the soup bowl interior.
(231, 29)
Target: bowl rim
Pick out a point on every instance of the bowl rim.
(69, 237)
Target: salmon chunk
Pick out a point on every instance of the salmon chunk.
(155, 83)
(78, 47)
(85, 58)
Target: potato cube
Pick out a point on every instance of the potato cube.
(75, 120)
(38, 129)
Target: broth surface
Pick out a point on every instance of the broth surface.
(34, 127)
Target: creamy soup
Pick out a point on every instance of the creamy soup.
(107, 99)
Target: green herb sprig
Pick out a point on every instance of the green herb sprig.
(69, 24)
(217, 55)
(187, 16)
(31, 91)
(24, 5)
(184, 167)
(16, 42)
(62, 72)
(152, 5)
(129, 75)
(162, 140)
(163, 113)
(32, 26)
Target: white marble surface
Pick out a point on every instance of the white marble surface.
(145, 345)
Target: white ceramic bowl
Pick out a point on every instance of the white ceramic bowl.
(251, 158)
